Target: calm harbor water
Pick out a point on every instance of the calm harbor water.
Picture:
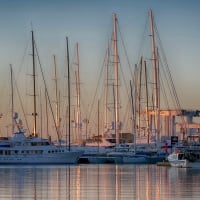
(106, 182)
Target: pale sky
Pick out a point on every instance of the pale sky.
(89, 22)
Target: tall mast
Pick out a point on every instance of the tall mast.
(56, 96)
(116, 84)
(139, 97)
(158, 96)
(34, 87)
(154, 62)
(147, 105)
(106, 93)
(69, 103)
(77, 75)
(47, 117)
(41, 117)
(98, 126)
(133, 117)
(134, 105)
(12, 101)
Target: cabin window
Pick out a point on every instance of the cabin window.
(7, 152)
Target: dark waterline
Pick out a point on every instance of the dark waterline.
(85, 182)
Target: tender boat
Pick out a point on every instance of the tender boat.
(188, 157)
(177, 159)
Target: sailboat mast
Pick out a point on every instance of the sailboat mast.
(134, 105)
(139, 97)
(56, 94)
(47, 117)
(147, 105)
(106, 93)
(12, 101)
(69, 102)
(41, 113)
(158, 96)
(98, 126)
(154, 62)
(34, 86)
(133, 117)
(78, 94)
(116, 84)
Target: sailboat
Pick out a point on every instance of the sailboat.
(159, 156)
(149, 153)
(152, 155)
(32, 149)
(92, 147)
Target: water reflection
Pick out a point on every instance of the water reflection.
(79, 182)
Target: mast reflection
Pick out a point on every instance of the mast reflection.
(108, 181)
